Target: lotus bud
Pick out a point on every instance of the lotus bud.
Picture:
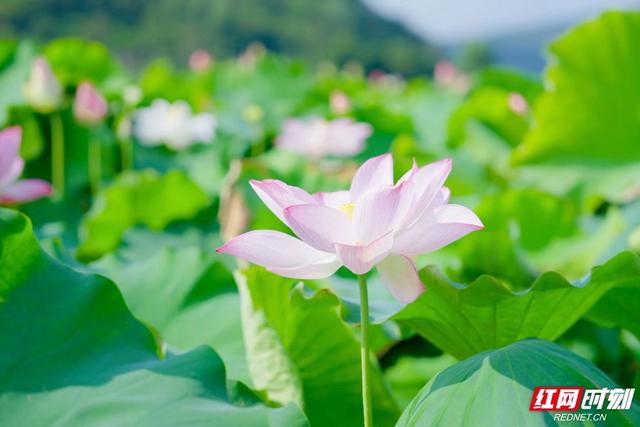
(89, 107)
(43, 91)
(340, 103)
(200, 60)
(517, 103)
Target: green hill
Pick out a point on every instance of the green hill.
(338, 30)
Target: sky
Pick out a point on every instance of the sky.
(459, 21)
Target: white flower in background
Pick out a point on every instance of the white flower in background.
(132, 95)
(318, 137)
(173, 124)
(42, 91)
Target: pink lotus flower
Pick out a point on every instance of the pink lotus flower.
(318, 137)
(13, 190)
(374, 223)
(43, 91)
(89, 107)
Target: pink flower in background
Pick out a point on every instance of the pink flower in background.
(89, 107)
(200, 60)
(517, 103)
(381, 78)
(339, 102)
(43, 91)
(448, 75)
(376, 223)
(377, 75)
(13, 190)
(254, 52)
(318, 137)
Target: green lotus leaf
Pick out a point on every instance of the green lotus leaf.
(464, 320)
(495, 388)
(593, 86)
(138, 198)
(619, 307)
(73, 354)
(180, 287)
(74, 60)
(489, 106)
(300, 350)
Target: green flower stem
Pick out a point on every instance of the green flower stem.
(126, 154)
(364, 350)
(95, 166)
(57, 154)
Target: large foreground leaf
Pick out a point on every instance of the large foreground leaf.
(408, 375)
(300, 350)
(179, 285)
(138, 198)
(72, 354)
(495, 388)
(594, 85)
(464, 320)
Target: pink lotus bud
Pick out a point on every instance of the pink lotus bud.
(200, 60)
(517, 103)
(42, 91)
(89, 107)
(339, 102)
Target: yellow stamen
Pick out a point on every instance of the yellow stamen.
(347, 209)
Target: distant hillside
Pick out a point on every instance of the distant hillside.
(338, 30)
(525, 50)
